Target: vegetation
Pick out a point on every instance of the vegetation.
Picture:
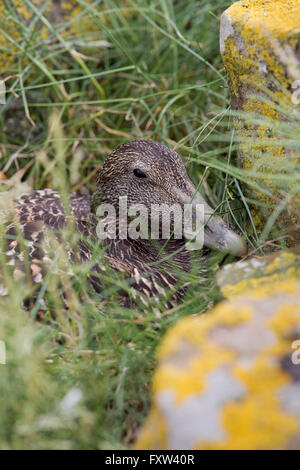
(106, 72)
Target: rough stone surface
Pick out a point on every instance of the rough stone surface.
(260, 46)
(46, 16)
(230, 379)
(259, 273)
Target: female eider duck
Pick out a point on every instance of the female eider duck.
(147, 173)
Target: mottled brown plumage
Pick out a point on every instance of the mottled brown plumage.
(146, 173)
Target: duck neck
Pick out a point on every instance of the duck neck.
(148, 253)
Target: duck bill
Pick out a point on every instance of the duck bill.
(217, 235)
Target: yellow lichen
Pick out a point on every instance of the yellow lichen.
(188, 329)
(258, 273)
(258, 423)
(154, 433)
(286, 319)
(282, 260)
(278, 17)
(264, 285)
(255, 68)
(191, 379)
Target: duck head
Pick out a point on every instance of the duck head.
(151, 174)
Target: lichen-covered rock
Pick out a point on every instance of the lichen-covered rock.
(260, 45)
(230, 379)
(259, 273)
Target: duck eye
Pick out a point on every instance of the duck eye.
(139, 173)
